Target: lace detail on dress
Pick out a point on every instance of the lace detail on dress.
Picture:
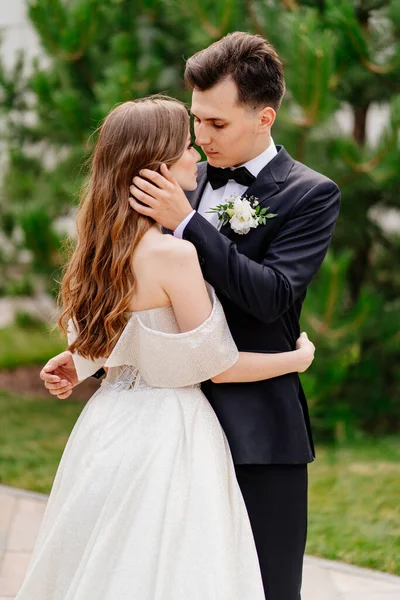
(126, 377)
(121, 378)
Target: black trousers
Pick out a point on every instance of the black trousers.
(276, 501)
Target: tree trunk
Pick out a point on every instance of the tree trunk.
(360, 125)
(358, 271)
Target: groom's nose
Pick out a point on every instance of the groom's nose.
(203, 138)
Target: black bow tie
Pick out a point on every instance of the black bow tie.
(218, 177)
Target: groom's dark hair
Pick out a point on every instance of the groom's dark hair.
(249, 60)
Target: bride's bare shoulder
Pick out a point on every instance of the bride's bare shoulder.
(175, 247)
(165, 249)
(161, 263)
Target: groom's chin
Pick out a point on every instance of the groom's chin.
(216, 161)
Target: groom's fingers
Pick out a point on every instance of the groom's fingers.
(143, 196)
(145, 186)
(166, 173)
(141, 208)
(160, 181)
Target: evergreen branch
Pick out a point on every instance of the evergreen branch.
(378, 4)
(366, 167)
(183, 6)
(226, 16)
(303, 82)
(301, 144)
(208, 27)
(252, 15)
(321, 328)
(303, 121)
(379, 69)
(319, 53)
(334, 79)
(372, 67)
(347, 179)
(332, 296)
(83, 68)
(289, 4)
(383, 240)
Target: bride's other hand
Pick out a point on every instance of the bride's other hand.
(59, 375)
(306, 350)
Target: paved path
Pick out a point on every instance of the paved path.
(21, 513)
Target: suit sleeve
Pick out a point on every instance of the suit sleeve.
(266, 290)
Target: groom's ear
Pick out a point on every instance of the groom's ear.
(267, 118)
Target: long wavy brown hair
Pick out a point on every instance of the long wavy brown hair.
(99, 281)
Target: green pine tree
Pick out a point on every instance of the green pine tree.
(98, 54)
(336, 53)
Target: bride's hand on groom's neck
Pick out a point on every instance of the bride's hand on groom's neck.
(160, 197)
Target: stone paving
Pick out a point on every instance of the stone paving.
(21, 513)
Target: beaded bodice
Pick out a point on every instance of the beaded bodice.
(125, 377)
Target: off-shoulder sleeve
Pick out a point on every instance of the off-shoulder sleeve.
(177, 359)
(84, 366)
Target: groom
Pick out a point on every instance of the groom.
(261, 278)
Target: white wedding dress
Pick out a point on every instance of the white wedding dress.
(145, 504)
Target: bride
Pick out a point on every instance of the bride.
(145, 504)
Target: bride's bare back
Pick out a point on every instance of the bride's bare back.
(168, 273)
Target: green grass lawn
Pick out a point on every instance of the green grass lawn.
(33, 434)
(355, 504)
(354, 490)
(20, 345)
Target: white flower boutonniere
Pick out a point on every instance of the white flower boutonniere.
(242, 213)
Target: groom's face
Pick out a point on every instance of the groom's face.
(229, 133)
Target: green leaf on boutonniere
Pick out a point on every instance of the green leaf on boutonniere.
(263, 215)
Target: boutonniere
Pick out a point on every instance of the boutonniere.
(242, 213)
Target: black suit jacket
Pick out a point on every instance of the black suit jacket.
(261, 279)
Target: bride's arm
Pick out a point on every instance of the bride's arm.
(253, 366)
(183, 282)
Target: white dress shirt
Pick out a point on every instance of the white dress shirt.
(211, 198)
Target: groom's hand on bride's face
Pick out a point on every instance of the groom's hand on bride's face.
(160, 197)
